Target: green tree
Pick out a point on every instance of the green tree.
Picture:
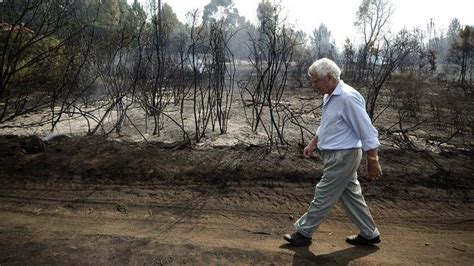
(372, 17)
(110, 13)
(447, 40)
(222, 9)
(267, 15)
(303, 58)
(32, 46)
(349, 60)
(461, 54)
(134, 18)
(453, 30)
(321, 43)
(85, 10)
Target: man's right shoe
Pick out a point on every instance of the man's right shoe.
(360, 240)
(296, 239)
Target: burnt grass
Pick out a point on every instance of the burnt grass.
(96, 160)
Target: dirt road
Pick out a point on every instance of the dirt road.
(90, 201)
(241, 223)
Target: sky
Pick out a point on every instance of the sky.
(339, 15)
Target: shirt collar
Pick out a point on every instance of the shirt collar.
(337, 91)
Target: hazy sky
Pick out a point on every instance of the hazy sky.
(339, 15)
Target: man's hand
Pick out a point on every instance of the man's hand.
(374, 170)
(308, 151)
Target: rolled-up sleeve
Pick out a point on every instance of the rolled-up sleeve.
(357, 118)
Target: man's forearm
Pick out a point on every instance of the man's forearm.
(313, 142)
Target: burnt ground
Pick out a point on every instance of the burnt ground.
(89, 200)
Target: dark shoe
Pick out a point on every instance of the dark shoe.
(296, 239)
(360, 240)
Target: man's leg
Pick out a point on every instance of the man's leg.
(358, 211)
(339, 168)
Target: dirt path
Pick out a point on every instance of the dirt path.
(149, 223)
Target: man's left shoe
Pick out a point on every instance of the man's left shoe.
(296, 239)
(360, 240)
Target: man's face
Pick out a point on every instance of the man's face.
(320, 85)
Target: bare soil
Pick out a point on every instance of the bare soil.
(90, 200)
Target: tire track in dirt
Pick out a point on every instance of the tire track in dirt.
(243, 200)
(89, 224)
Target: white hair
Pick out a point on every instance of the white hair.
(324, 67)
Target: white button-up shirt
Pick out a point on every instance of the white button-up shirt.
(345, 123)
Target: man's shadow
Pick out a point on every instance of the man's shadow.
(303, 256)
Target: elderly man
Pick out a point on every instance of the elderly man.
(345, 131)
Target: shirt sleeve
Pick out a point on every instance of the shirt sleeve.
(356, 116)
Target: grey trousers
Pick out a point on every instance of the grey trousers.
(339, 181)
